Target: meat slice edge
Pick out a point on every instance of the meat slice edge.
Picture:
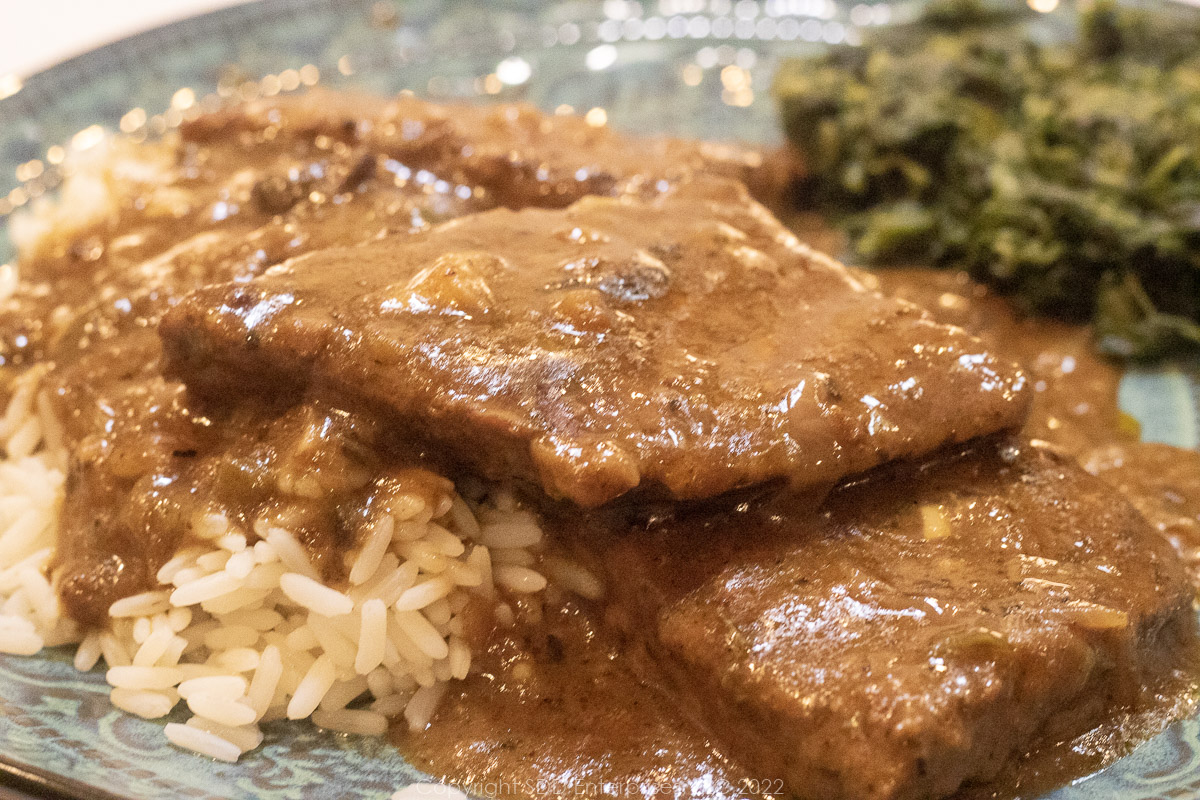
(510, 154)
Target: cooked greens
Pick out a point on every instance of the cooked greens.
(1064, 170)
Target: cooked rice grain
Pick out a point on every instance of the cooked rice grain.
(314, 596)
(202, 742)
(144, 703)
(365, 723)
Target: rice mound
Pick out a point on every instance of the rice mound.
(241, 627)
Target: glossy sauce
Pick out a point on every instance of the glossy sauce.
(561, 709)
(1075, 402)
(685, 346)
(1074, 408)
(562, 704)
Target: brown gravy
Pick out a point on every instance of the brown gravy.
(233, 194)
(495, 730)
(1075, 401)
(577, 716)
(559, 707)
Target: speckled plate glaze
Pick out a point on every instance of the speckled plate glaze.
(691, 67)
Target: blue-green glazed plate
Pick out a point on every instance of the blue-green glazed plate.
(672, 66)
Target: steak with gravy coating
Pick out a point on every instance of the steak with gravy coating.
(688, 344)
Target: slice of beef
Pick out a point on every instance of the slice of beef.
(511, 154)
(689, 343)
(917, 630)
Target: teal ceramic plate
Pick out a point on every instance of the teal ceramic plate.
(692, 67)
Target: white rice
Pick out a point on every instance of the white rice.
(519, 579)
(420, 708)
(365, 723)
(241, 627)
(146, 604)
(208, 744)
(227, 686)
(315, 597)
(145, 704)
(245, 738)
(242, 632)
